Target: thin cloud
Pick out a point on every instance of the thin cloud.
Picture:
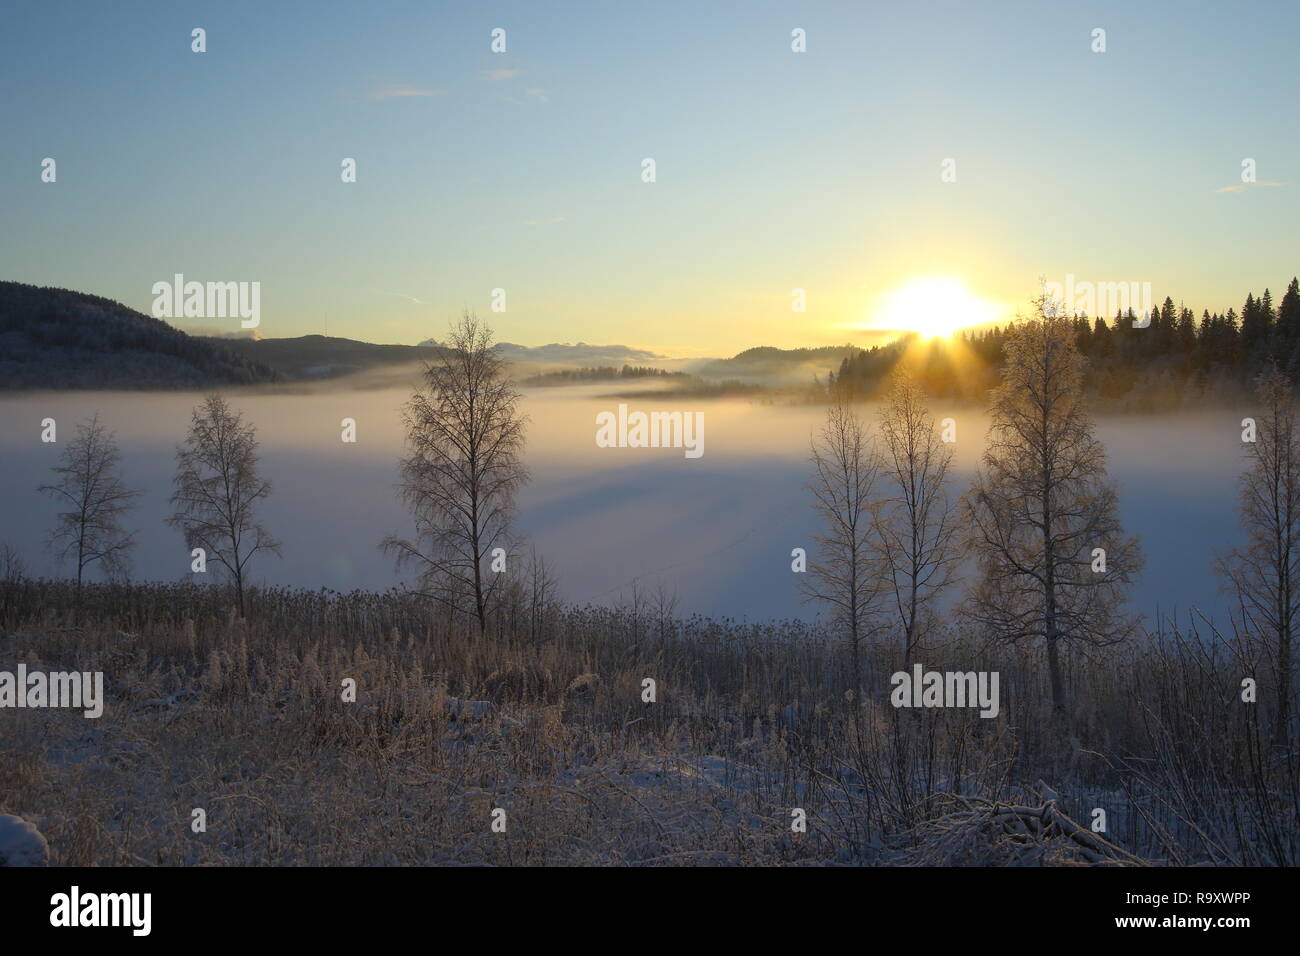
(1241, 187)
(403, 92)
(403, 295)
(498, 75)
(538, 94)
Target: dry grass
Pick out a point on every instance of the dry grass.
(246, 720)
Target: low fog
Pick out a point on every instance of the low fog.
(718, 529)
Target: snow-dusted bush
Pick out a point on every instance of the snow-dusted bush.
(21, 844)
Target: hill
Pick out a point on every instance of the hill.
(55, 338)
(323, 356)
(772, 365)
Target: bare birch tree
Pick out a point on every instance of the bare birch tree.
(845, 574)
(465, 440)
(217, 489)
(88, 487)
(1043, 518)
(915, 522)
(1264, 573)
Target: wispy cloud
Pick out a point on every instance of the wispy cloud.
(402, 92)
(498, 75)
(403, 295)
(1242, 187)
(532, 95)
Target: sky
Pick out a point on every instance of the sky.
(523, 170)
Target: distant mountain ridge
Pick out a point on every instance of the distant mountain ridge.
(55, 338)
(308, 357)
(564, 352)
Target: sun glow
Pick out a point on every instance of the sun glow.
(935, 307)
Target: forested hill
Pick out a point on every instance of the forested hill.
(55, 338)
(325, 356)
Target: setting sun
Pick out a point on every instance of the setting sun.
(934, 307)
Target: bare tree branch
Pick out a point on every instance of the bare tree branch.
(462, 469)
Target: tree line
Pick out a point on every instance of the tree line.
(603, 373)
(1167, 356)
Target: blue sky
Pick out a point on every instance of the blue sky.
(521, 170)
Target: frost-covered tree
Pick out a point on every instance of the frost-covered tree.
(1054, 562)
(94, 500)
(217, 489)
(464, 465)
(846, 572)
(915, 523)
(1265, 573)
